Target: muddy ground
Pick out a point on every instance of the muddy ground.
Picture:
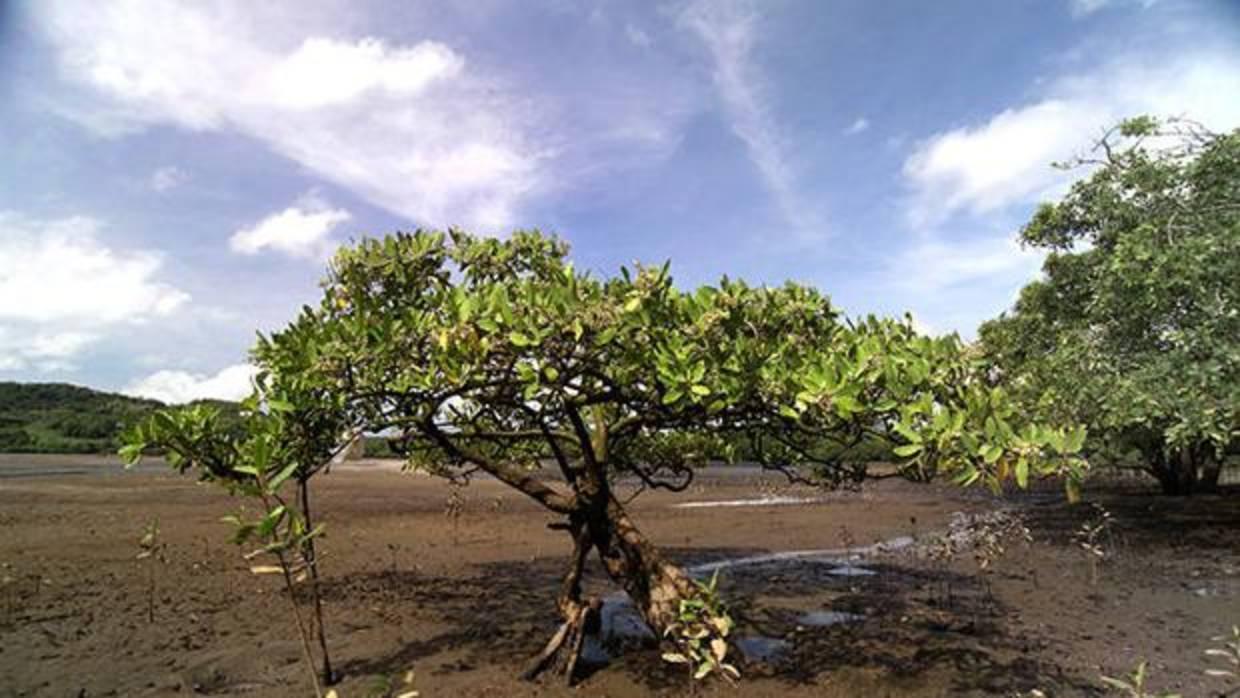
(466, 602)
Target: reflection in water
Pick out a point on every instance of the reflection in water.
(622, 626)
(822, 619)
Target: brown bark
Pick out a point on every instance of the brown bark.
(563, 650)
(655, 585)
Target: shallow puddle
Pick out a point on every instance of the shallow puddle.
(822, 619)
(621, 626)
(849, 570)
(753, 502)
(759, 649)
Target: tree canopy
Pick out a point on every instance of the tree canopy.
(498, 356)
(1134, 329)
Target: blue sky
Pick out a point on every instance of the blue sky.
(175, 174)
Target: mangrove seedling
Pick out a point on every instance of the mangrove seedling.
(700, 634)
(1133, 685)
(151, 549)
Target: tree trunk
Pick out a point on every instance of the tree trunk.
(581, 618)
(1176, 472)
(1211, 468)
(655, 585)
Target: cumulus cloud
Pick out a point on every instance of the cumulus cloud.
(300, 230)
(61, 288)
(59, 271)
(23, 347)
(408, 127)
(176, 387)
(861, 124)
(167, 178)
(1005, 159)
(729, 31)
(955, 284)
(324, 72)
(934, 264)
(1084, 8)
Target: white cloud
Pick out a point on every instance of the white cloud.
(637, 36)
(167, 178)
(325, 72)
(23, 347)
(408, 127)
(61, 288)
(1080, 8)
(729, 30)
(1006, 159)
(1084, 8)
(861, 124)
(933, 264)
(176, 387)
(300, 230)
(953, 284)
(59, 271)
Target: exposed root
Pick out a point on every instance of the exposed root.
(563, 650)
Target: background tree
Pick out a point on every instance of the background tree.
(1134, 329)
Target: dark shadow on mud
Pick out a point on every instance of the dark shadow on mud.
(914, 619)
(1144, 519)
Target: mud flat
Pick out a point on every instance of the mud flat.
(466, 604)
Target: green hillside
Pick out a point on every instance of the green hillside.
(63, 418)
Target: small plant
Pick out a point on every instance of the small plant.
(1133, 685)
(849, 541)
(393, 552)
(701, 634)
(387, 687)
(991, 535)
(151, 549)
(1089, 538)
(942, 550)
(1229, 653)
(270, 461)
(454, 509)
(284, 535)
(9, 584)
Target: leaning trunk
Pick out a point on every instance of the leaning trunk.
(655, 585)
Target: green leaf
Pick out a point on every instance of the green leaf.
(131, 453)
(907, 432)
(906, 450)
(284, 474)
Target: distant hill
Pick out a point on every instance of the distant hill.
(63, 418)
